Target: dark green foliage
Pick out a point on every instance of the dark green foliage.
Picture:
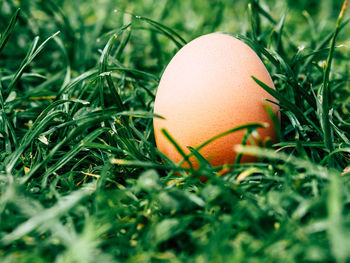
(81, 179)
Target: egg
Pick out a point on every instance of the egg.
(206, 89)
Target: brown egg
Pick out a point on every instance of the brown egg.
(207, 89)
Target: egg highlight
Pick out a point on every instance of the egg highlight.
(206, 89)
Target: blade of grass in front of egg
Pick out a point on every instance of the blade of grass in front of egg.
(178, 148)
(244, 142)
(250, 126)
(286, 104)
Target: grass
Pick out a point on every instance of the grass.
(81, 179)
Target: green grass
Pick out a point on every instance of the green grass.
(81, 179)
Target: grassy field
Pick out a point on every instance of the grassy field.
(81, 179)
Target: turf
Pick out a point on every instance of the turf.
(81, 179)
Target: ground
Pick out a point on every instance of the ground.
(81, 179)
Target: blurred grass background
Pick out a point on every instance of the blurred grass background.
(82, 182)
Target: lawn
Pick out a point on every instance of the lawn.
(81, 179)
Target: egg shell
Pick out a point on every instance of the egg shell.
(207, 89)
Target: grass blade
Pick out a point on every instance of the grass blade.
(5, 36)
(32, 53)
(324, 94)
(62, 206)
